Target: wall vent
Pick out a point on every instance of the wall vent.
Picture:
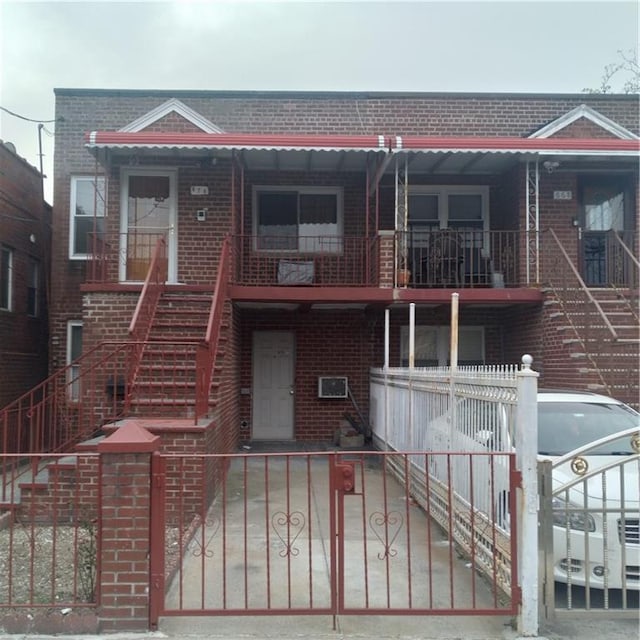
(333, 387)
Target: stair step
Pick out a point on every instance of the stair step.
(89, 445)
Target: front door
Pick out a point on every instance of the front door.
(148, 213)
(273, 385)
(603, 206)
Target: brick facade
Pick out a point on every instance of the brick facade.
(24, 230)
(331, 341)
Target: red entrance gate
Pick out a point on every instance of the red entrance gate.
(332, 533)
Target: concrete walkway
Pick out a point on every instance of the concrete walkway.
(289, 566)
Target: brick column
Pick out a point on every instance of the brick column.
(387, 260)
(125, 483)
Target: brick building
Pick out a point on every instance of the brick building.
(246, 246)
(24, 267)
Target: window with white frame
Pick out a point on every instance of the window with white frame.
(298, 219)
(74, 351)
(87, 215)
(33, 288)
(432, 345)
(6, 278)
(462, 208)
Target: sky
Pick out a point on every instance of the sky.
(544, 46)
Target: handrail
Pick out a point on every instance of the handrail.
(626, 249)
(48, 418)
(153, 284)
(206, 353)
(145, 310)
(583, 286)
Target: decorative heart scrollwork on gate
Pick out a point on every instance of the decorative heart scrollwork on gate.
(288, 526)
(202, 540)
(386, 527)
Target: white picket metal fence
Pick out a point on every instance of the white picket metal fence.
(488, 414)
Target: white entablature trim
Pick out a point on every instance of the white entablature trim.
(584, 111)
(172, 106)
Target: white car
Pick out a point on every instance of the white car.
(594, 444)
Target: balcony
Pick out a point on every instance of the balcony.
(430, 258)
(454, 258)
(313, 261)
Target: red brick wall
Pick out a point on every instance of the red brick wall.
(23, 339)
(349, 343)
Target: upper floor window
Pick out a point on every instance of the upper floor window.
(6, 278)
(300, 219)
(33, 287)
(449, 207)
(461, 208)
(87, 215)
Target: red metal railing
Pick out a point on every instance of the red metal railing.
(71, 405)
(319, 261)
(260, 548)
(152, 289)
(206, 352)
(117, 254)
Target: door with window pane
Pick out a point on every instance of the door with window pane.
(603, 212)
(149, 214)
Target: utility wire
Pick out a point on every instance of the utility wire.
(17, 115)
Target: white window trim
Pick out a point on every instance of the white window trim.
(9, 306)
(337, 191)
(72, 391)
(72, 212)
(444, 191)
(442, 340)
(172, 235)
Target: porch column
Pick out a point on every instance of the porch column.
(125, 489)
(533, 223)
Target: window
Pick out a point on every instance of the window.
(87, 214)
(300, 219)
(462, 208)
(33, 287)
(6, 278)
(74, 351)
(432, 346)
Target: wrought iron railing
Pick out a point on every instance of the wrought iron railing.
(121, 256)
(206, 352)
(71, 405)
(318, 261)
(583, 308)
(458, 258)
(144, 313)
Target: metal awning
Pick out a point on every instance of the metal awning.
(428, 155)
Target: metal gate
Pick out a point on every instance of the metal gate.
(333, 533)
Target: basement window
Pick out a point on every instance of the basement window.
(74, 351)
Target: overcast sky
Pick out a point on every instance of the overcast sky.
(477, 46)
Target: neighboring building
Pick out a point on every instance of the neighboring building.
(329, 201)
(25, 236)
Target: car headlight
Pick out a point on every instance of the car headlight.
(566, 514)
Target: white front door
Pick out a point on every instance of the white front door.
(273, 385)
(148, 206)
